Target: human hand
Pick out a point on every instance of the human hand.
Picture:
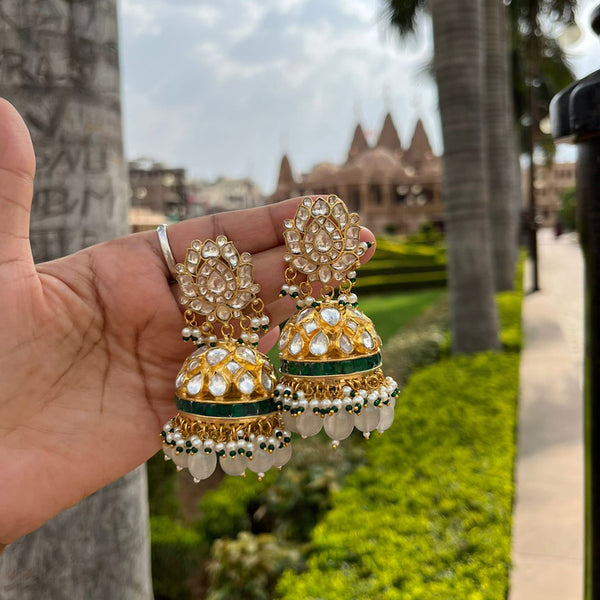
(91, 345)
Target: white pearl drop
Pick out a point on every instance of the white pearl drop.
(282, 455)
(233, 466)
(386, 418)
(340, 426)
(202, 465)
(367, 420)
(308, 424)
(261, 462)
(181, 459)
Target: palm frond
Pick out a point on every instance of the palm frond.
(402, 14)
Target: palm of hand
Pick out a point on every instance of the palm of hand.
(90, 344)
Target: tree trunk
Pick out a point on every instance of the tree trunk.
(459, 69)
(60, 69)
(500, 145)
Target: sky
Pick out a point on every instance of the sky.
(224, 88)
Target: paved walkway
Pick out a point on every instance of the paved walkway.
(547, 550)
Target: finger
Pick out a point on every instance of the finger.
(253, 230)
(17, 169)
(268, 340)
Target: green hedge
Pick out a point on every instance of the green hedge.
(430, 515)
(371, 284)
(402, 266)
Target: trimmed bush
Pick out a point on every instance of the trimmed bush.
(403, 266)
(249, 566)
(430, 515)
(288, 503)
(162, 487)
(176, 552)
(419, 344)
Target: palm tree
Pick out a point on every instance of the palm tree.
(501, 154)
(552, 74)
(501, 151)
(65, 82)
(459, 62)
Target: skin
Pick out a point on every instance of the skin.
(91, 343)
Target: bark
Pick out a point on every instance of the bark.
(500, 145)
(459, 68)
(60, 68)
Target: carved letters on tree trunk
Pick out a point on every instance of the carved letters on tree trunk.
(59, 66)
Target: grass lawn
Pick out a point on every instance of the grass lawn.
(389, 312)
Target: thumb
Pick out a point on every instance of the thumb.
(17, 169)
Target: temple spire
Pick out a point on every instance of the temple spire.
(359, 143)
(420, 148)
(388, 138)
(285, 172)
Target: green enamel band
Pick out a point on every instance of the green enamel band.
(234, 410)
(338, 367)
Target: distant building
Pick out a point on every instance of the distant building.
(222, 195)
(158, 188)
(392, 188)
(550, 182)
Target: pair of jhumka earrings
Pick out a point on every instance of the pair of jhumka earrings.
(232, 407)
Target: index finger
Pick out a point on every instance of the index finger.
(252, 230)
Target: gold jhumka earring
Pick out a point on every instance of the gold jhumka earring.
(330, 353)
(224, 392)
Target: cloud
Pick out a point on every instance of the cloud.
(214, 87)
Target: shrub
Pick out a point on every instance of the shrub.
(509, 310)
(162, 487)
(419, 344)
(567, 215)
(429, 516)
(248, 567)
(176, 552)
(288, 502)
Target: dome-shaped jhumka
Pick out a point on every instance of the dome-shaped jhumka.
(330, 353)
(224, 392)
(339, 345)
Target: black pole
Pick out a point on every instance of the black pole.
(532, 53)
(575, 114)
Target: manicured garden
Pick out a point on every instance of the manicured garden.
(402, 265)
